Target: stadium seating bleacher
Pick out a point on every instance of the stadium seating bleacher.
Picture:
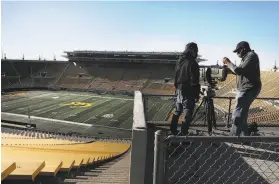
(28, 154)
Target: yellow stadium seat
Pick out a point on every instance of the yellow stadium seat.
(85, 162)
(7, 168)
(51, 168)
(26, 170)
(32, 142)
(47, 157)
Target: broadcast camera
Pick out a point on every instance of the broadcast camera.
(207, 91)
(209, 77)
(209, 74)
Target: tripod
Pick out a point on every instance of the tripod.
(208, 113)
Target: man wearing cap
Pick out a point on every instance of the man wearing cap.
(248, 85)
(187, 88)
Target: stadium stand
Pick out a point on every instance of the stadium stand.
(10, 76)
(149, 78)
(270, 83)
(226, 86)
(30, 154)
(261, 110)
(110, 77)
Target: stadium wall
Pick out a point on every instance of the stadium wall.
(139, 142)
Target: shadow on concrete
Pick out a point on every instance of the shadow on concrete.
(207, 162)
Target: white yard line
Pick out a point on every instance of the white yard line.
(59, 121)
(48, 119)
(100, 96)
(101, 112)
(88, 119)
(73, 94)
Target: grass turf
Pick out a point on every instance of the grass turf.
(83, 107)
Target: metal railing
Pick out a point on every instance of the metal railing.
(263, 111)
(215, 159)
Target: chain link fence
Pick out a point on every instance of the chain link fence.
(159, 110)
(215, 159)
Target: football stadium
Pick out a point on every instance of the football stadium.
(104, 116)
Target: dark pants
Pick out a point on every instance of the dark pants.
(240, 114)
(186, 105)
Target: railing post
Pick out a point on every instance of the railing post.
(159, 158)
(145, 102)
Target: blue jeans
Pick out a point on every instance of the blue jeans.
(186, 105)
(240, 114)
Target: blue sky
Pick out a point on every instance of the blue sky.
(49, 28)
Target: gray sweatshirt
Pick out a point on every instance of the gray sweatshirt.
(248, 72)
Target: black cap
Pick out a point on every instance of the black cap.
(192, 46)
(242, 44)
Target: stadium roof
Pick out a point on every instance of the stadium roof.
(125, 56)
(36, 60)
(123, 52)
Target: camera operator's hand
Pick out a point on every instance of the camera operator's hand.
(226, 60)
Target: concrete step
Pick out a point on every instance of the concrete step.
(116, 172)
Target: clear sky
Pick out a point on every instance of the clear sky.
(49, 28)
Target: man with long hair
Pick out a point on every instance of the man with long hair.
(187, 88)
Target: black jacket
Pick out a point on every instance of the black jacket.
(248, 72)
(187, 76)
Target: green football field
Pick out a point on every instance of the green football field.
(82, 107)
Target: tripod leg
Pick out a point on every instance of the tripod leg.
(197, 110)
(194, 118)
(209, 118)
(213, 114)
(206, 113)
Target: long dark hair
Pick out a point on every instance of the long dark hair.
(187, 55)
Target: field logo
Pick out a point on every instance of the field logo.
(16, 94)
(77, 105)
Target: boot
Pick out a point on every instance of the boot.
(184, 129)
